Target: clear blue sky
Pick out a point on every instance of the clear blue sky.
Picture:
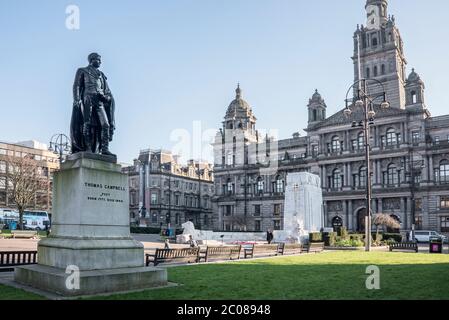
(170, 63)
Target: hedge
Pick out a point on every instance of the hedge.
(315, 237)
(392, 236)
(145, 230)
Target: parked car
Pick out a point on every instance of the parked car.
(424, 236)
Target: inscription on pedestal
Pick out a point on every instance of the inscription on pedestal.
(105, 193)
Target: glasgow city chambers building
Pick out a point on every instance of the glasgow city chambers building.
(409, 149)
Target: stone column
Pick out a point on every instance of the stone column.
(431, 175)
(350, 216)
(426, 170)
(409, 213)
(345, 210)
(403, 214)
(380, 205)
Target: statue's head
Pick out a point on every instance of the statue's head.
(94, 60)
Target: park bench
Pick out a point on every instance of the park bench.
(289, 248)
(224, 252)
(262, 249)
(315, 247)
(409, 246)
(9, 259)
(187, 255)
(23, 234)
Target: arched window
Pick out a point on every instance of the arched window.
(336, 179)
(335, 145)
(260, 185)
(361, 141)
(279, 185)
(374, 42)
(414, 97)
(314, 115)
(444, 171)
(375, 71)
(337, 223)
(392, 175)
(368, 73)
(383, 69)
(362, 176)
(391, 137)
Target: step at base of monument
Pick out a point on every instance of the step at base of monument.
(90, 282)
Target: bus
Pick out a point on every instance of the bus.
(9, 218)
(36, 220)
(32, 220)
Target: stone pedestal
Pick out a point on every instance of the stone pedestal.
(90, 231)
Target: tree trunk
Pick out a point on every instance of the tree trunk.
(20, 219)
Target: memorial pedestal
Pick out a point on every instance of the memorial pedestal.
(90, 232)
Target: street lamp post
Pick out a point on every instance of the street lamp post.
(60, 145)
(365, 101)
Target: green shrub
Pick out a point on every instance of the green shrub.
(145, 230)
(349, 243)
(357, 236)
(393, 236)
(315, 237)
(343, 233)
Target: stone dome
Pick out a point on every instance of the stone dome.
(238, 107)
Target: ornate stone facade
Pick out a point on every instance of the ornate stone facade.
(163, 191)
(409, 150)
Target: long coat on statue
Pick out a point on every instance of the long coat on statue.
(83, 89)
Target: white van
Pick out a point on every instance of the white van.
(424, 236)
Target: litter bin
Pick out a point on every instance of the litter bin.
(12, 225)
(436, 245)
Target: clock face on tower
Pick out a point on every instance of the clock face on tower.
(373, 15)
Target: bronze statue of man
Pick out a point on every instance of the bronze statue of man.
(93, 124)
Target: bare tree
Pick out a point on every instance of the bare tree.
(25, 180)
(383, 219)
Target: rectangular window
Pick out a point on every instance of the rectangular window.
(418, 204)
(154, 218)
(277, 224)
(277, 209)
(444, 224)
(416, 137)
(257, 226)
(437, 140)
(444, 202)
(154, 198)
(228, 211)
(257, 210)
(2, 183)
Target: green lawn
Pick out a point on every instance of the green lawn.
(336, 275)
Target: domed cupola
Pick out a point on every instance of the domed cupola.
(239, 114)
(414, 89)
(317, 108)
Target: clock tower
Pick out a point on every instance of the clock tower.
(376, 13)
(379, 53)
